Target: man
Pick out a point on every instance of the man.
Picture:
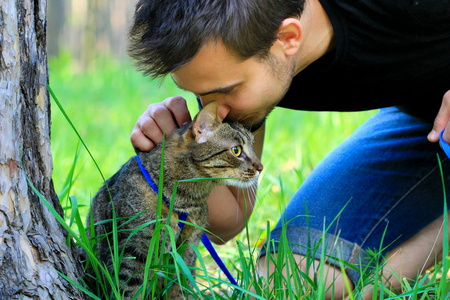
(253, 55)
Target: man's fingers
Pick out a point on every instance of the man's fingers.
(441, 121)
(147, 133)
(140, 141)
(160, 121)
(178, 107)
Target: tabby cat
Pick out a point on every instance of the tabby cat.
(204, 148)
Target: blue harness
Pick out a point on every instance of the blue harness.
(182, 217)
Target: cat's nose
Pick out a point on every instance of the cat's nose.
(258, 167)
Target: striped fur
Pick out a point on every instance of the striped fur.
(201, 149)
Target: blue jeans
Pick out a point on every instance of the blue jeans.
(384, 177)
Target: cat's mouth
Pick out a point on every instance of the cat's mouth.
(245, 181)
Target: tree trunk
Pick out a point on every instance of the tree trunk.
(33, 245)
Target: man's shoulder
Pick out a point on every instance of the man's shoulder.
(426, 12)
(430, 11)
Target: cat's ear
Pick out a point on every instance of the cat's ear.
(206, 121)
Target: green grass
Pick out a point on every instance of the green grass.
(104, 102)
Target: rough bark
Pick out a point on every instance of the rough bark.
(33, 245)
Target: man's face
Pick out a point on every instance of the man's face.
(250, 88)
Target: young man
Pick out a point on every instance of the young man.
(253, 55)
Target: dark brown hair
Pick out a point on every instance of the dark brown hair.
(166, 34)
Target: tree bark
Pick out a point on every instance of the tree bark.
(33, 245)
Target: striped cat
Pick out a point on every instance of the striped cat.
(204, 148)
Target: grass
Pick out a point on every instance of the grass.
(104, 102)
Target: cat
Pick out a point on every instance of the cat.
(204, 148)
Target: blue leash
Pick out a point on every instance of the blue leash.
(183, 216)
(445, 146)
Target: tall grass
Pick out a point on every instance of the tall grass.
(104, 102)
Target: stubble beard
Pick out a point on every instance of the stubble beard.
(284, 75)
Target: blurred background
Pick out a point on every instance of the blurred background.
(89, 28)
(103, 95)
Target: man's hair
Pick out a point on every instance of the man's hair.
(167, 34)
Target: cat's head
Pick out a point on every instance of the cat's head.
(222, 150)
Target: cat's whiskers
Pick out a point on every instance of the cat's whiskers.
(249, 194)
(252, 193)
(262, 193)
(240, 191)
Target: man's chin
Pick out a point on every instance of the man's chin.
(254, 125)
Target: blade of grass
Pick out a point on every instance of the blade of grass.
(114, 254)
(157, 258)
(60, 219)
(444, 287)
(74, 205)
(82, 288)
(347, 283)
(69, 179)
(186, 272)
(202, 264)
(321, 283)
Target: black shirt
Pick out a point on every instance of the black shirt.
(388, 53)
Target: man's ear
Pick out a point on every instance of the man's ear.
(290, 36)
(205, 122)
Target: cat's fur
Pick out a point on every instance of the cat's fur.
(201, 149)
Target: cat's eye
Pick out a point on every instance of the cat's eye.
(236, 150)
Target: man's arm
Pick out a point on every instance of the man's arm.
(228, 210)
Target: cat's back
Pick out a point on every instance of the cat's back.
(125, 188)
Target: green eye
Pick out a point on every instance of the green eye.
(236, 150)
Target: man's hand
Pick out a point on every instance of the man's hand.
(167, 115)
(442, 121)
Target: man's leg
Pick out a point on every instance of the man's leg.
(408, 260)
(418, 254)
(380, 190)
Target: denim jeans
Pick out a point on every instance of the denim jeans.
(374, 191)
